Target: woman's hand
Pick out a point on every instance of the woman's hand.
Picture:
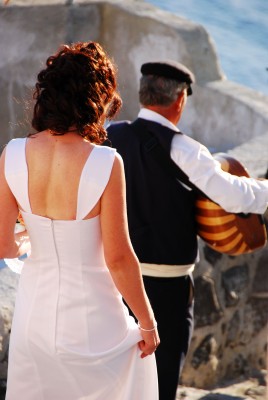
(23, 244)
(150, 341)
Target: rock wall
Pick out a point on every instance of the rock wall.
(221, 114)
(231, 303)
(231, 293)
(8, 287)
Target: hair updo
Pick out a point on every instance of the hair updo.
(74, 89)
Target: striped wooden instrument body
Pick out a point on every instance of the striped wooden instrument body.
(233, 234)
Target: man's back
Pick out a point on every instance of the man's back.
(160, 209)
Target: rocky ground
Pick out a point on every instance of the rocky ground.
(251, 389)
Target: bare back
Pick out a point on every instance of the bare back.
(55, 164)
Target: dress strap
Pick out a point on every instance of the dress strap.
(94, 178)
(16, 172)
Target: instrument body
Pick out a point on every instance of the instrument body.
(228, 233)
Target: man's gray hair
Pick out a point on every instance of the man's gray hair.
(160, 91)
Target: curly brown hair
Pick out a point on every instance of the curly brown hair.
(74, 90)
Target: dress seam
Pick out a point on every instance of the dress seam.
(27, 330)
(57, 303)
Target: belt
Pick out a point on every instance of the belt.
(166, 271)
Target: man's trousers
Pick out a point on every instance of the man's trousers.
(172, 303)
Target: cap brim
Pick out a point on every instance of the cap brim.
(189, 91)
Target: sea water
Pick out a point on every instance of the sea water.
(239, 29)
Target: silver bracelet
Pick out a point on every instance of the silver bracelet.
(147, 330)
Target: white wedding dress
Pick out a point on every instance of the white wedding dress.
(72, 337)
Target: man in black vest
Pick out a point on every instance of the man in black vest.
(161, 208)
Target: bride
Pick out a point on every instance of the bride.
(72, 337)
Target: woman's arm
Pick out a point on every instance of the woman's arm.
(120, 257)
(11, 245)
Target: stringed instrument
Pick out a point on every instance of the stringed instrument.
(228, 233)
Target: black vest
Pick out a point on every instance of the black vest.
(160, 210)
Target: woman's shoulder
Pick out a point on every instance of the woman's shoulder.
(104, 148)
(111, 155)
(16, 141)
(14, 145)
(108, 151)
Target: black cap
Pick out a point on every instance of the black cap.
(169, 69)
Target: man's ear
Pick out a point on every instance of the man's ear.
(180, 99)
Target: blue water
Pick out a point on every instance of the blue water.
(239, 29)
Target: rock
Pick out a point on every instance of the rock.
(260, 283)
(211, 255)
(233, 330)
(207, 307)
(234, 281)
(205, 353)
(8, 287)
(258, 307)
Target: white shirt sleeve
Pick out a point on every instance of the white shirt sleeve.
(232, 193)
